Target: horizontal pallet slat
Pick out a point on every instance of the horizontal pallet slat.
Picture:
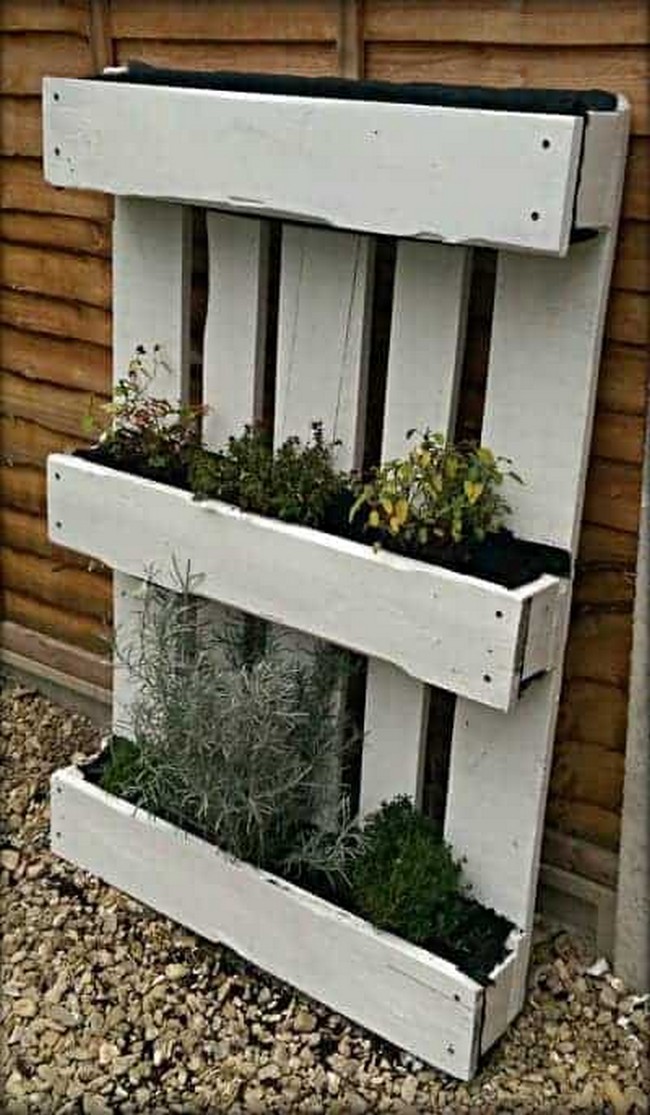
(79, 278)
(64, 233)
(28, 55)
(449, 630)
(411, 997)
(68, 363)
(36, 401)
(26, 442)
(98, 128)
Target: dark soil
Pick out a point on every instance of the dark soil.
(478, 942)
(501, 558)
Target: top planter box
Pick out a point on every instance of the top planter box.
(524, 180)
(475, 638)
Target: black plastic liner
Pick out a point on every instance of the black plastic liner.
(560, 102)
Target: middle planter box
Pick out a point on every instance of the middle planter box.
(457, 632)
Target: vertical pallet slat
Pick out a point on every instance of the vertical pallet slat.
(546, 337)
(233, 347)
(151, 290)
(424, 366)
(322, 365)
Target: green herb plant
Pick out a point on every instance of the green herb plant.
(297, 484)
(405, 878)
(136, 425)
(235, 747)
(440, 493)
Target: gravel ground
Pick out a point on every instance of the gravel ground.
(107, 1007)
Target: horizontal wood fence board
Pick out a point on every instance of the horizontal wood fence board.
(418, 1001)
(458, 632)
(460, 175)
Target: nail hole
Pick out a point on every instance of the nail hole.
(499, 613)
(546, 143)
(487, 678)
(534, 215)
(57, 475)
(456, 997)
(450, 1049)
(56, 97)
(57, 150)
(58, 524)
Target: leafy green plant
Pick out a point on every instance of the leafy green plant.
(136, 425)
(405, 879)
(298, 483)
(439, 493)
(233, 747)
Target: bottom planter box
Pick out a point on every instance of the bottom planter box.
(412, 998)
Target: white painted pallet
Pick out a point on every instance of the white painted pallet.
(507, 179)
(516, 181)
(399, 990)
(450, 630)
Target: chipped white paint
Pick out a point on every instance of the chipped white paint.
(424, 367)
(441, 627)
(460, 175)
(420, 1002)
(151, 290)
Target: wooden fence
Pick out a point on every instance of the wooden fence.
(55, 311)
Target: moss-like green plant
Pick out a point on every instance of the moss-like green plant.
(298, 483)
(405, 878)
(439, 493)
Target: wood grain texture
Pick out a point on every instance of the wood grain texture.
(620, 69)
(632, 263)
(47, 580)
(36, 314)
(55, 407)
(610, 588)
(586, 773)
(450, 630)
(55, 654)
(23, 487)
(531, 23)
(26, 57)
(636, 195)
(599, 647)
(66, 362)
(23, 188)
(43, 15)
(403, 993)
(351, 38)
(586, 821)
(629, 317)
(59, 623)
(593, 712)
(77, 278)
(26, 442)
(64, 233)
(21, 531)
(107, 136)
(619, 437)
(237, 20)
(581, 857)
(265, 57)
(613, 495)
(624, 379)
(605, 547)
(21, 129)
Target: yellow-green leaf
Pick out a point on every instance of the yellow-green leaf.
(473, 490)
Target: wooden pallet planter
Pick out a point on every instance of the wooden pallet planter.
(530, 178)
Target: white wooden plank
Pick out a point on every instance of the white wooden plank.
(604, 148)
(546, 339)
(458, 632)
(424, 367)
(407, 995)
(151, 290)
(459, 175)
(323, 332)
(235, 327)
(233, 346)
